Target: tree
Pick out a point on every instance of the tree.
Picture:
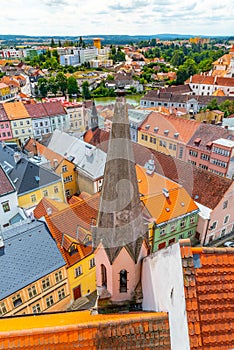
(213, 104)
(72, 87)
(52, 44)
(62, 82)
(177, 58)
(53, 85)
(85, 90)
(59, 43)
(43, 86)
(110, 77)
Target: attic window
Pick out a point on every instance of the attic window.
(209, 145)
(176, 135)
(156, 129)
(166, 132)
(147, 126)
(37, 178)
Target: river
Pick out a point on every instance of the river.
(131, 99)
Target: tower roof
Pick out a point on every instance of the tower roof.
(120, 220)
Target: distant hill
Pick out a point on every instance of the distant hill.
(107, 39)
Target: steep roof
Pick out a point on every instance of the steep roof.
(89, 159)
(29, 253)
(54, 108)
(96, 136)
(120, 220)
(204, 187)
(135, 330)
(207, 133)
(15, 110)
(210, 80)
(37, 148)
(3, 115)
(36, 110)
(185, 128)
(47, 205)
(178, 203)
(208, 283)
(73, 225)
(26, 175)
(6, 185)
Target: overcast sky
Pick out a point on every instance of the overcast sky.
(131, 17)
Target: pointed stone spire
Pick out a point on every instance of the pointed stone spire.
(94, 116)
(120, 221)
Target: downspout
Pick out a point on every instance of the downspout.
(207, 227)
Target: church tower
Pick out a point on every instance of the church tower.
(119, 235)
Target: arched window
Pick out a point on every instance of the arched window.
(123, 281)
(103, 273)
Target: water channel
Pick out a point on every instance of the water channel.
(131, 99)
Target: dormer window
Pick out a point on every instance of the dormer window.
(147, 126)
(166, 132)
(156, 129)
(176, 135)
(197, 141)
(209, 145)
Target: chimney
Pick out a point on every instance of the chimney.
(48, 211)
(17, 156)
(1, 242)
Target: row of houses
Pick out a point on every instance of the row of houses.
(21, 121)
(207, 146)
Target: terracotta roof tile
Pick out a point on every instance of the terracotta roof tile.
(209, 297)
(15, 110)
(63, 331)
(6, 185)
(48, 206)
(184, 127)
(206, 188)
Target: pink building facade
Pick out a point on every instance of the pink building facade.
(5, 126)
(109, 275)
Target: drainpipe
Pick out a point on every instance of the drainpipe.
(207, 227)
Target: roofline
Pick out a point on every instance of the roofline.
(51, 183)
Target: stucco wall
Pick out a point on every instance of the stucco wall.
(163, 290)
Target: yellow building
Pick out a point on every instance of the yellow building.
(32, 280)
(71, 230)
(166, 134)
(34, 196)
(21, 122)
(32, 181)
(60, 165)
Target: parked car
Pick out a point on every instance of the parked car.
(229, 244)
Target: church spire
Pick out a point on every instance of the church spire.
(120, 221)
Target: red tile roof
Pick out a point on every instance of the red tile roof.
(207, 133)
(48, 206)
(54, 108)
(36, 110)
(204, 187)
(210, 80)
(96, 136)
(60, 331)
(5, 184)
(209, 293)
(185, 128)
(74, 222)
